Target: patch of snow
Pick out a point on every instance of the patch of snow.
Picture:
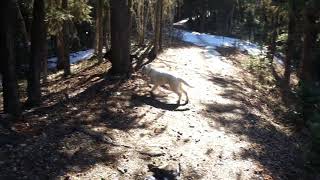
(52, 62)
(278, 60)
(74, 58)
(182, 22)
(207, 40)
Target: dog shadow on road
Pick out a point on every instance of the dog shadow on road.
(152, 101)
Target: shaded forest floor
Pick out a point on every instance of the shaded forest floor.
(91, 126)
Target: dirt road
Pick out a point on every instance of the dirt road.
(118, 131)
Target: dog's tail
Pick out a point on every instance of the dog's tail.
(184, 82)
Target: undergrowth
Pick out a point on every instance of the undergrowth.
(260, 67)
(310, 109)
(306, 107)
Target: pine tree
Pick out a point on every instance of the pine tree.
(290, 42)
(8, 30)
(120, 33)
(38, 40)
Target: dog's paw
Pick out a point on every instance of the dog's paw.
(187, 101)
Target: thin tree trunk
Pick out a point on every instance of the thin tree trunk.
(272, 46)
(203, 15)
(178, 17)
(25, 52)
(161, 26)
(59, 42)
(99, 30)
(266, 26)
(45, 63)
(66, 37)
(157, 26)
(241, 11)
(8, 18)
(141, 22)
(96, 33)
(230, 21)
(23, 27)
(145, 19)
(130, 19)
(290, 43)
(38, 39)
(106, 26)
(60, 50)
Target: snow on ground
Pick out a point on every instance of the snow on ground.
(210, 42)
(207, 40)
(213, 41)
(74, 58)
(181, 23)
(279, 58)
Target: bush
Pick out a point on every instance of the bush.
(310, 96)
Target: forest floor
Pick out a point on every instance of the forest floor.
(91, 126)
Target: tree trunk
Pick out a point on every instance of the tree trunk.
(203, 15)
(8, 17)
(60, 50)
(230, 19)
(141, 22)
(157, 26)
(23, 27)
(120, 33)
(106, 26)
(178, 11)
(38, 40)
(59, 42)
(62, 42)
(308, 71)
(25, 51)
(45, 57)
(266, 26)
(272, 45)
(130, 19)
(145, 20)
(309, 45)
(99, 30)
(66, 37)
(143, 14)
(161, 26)
(290, 43)
(45, 63)
(241, 11)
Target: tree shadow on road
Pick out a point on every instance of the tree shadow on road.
(73, 130)
(253, 116)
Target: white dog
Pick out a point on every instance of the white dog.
(161, 78)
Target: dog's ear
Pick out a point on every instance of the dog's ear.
(144, 69)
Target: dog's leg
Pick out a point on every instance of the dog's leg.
(187, 100)
(154, 88)
(179, 94)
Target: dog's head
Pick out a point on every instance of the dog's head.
(146, 69)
